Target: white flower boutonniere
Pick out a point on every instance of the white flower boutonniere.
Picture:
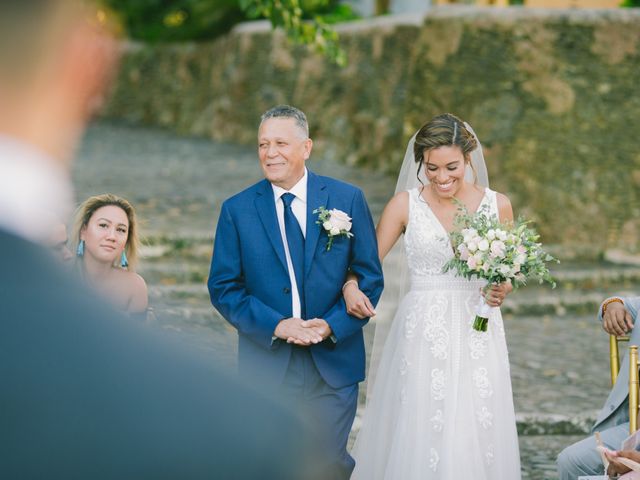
(335, 222)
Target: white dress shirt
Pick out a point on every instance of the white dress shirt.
(299, 209)
(35, 191)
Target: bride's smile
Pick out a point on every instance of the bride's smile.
(445, 169)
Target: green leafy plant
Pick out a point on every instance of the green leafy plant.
(176, 20)
(305, 22)
(315, 32)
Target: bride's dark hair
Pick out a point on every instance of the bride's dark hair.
(443, 130)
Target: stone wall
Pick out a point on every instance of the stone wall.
(552, 94)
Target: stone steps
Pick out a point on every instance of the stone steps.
(187, 282)
(555, 424)
(186, 260)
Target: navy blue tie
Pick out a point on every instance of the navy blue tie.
(295, 240)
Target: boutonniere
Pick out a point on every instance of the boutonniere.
(335, 222)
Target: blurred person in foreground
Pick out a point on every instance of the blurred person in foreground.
(58, 242)
(105, 235)
(87, 394)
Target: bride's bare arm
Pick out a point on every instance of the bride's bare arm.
(392, 223)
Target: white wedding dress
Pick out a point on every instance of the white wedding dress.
(441, 406)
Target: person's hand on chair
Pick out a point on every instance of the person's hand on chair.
(616, 319)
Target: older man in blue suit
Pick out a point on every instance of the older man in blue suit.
(618, 317)
(277, 273)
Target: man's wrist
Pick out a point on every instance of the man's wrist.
(275, 330)
(608, 302)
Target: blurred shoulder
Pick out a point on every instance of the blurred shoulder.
(400, 198)
(505, 210)
(399, 202)
(503, 201)
(397, 209)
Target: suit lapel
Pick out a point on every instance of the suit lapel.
(266, 207)
(317, 196)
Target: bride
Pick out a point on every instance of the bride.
(439, 403)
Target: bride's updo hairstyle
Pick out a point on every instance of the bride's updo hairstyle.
(445, 130)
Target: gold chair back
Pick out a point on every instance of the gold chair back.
(634, 381)
(633, 388)
(614, 357)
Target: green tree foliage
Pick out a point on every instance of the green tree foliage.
(305, 22)
(303, 28)
(177, 20)
(630, 3)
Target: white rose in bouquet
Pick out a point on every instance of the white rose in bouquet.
(468, 234)
(497, 249)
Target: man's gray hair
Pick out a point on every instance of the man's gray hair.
(287, 111)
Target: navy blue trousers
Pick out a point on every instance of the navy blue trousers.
(331, 411)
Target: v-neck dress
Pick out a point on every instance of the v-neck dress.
(441, 407)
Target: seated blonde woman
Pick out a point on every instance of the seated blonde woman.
(106, 244)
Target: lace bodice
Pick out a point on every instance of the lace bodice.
(427, 243)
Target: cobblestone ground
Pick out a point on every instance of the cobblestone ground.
(558, 352)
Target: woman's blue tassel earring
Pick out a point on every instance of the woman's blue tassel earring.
(124, 263)
(80, 249)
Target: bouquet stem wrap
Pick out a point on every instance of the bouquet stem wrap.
(482, 315)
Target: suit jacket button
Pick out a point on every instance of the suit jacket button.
(286, 290)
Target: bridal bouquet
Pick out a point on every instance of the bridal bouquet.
(487, 249)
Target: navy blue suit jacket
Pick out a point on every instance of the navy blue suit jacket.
(249, 282)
